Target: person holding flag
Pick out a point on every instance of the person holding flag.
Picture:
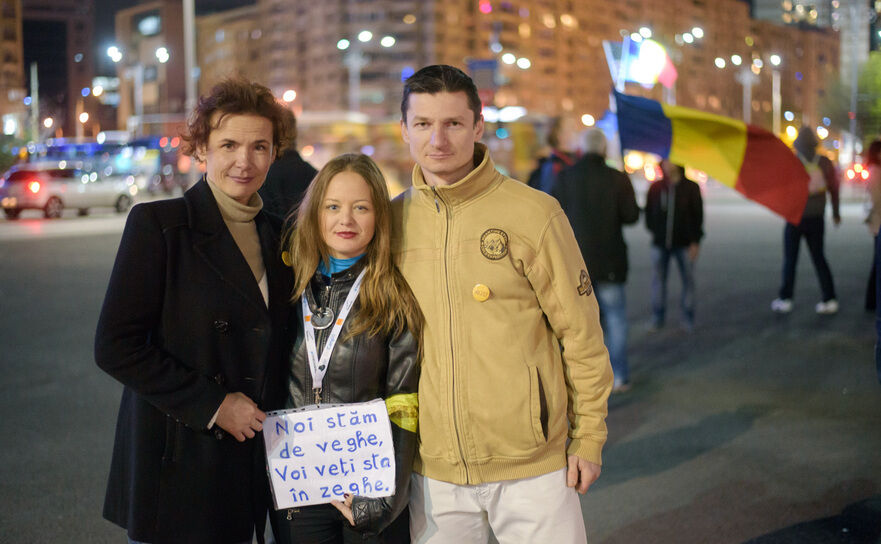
(811, 227)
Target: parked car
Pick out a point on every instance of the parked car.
(54, 186)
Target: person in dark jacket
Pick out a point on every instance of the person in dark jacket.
(562, 138)
(812, 227)
(288, 177)
(194, 325)
(674, 215)
(340, 248)
(599, 201)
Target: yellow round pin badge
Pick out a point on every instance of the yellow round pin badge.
(480, 292)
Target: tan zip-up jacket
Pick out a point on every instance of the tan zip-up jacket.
(499, 276)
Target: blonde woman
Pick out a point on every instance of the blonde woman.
(339, 248)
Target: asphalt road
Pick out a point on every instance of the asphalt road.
(753, 428)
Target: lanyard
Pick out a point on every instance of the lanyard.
(318, 366)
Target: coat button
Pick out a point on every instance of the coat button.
(218, 434)
(218, 379)
(221, 326)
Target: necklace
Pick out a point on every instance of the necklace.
(323, 316)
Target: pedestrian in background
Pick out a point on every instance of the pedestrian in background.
(822, 180)
(873, 217)
(341, 252)
(194, 325)
(515, 376)
(674, 215)
(599, 200)
(288, 177)
(563, 143)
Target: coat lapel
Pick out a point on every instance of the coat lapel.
(214, 243)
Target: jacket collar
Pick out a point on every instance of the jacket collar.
(216, 245)
(477, 182)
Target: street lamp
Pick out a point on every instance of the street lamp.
(775, 92)
(135, 72)
(80, 128)
(355, 61)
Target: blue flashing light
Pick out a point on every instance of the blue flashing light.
(502, 133)
(407, 72)
(827, 121)
(85, 92)
(27, 101)
(799, 76)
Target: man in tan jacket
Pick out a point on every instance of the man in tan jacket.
(515, 376)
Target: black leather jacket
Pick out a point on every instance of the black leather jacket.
(362, 368)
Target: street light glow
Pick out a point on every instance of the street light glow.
(509, 58)
(788, 115)
(822, 132)
(791, 132)
(97, 90)
(48, 122)
(162, 55)
(523, 63)
(387, 41)
(688, 38)
(645, 32)
(720, 62)
(588, 120)
(114, 53)
(775, 60)
(758, 63)
(736, 60)
(289, 95)
(697, 32)
(343, 44)
(84, 116)
(365, 36)
(636, 37)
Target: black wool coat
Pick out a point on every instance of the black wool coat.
(183, 324)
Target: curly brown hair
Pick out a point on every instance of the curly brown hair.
(236, 96)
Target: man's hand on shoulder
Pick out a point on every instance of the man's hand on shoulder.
(582, 473)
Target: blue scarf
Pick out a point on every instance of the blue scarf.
(337, 265)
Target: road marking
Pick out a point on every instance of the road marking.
(38, 228)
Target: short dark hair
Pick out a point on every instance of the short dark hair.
(441, 78)
(236, 96)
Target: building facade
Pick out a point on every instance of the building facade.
(62, 29)
(152, 87)
(229, 43)
(544, 55)
(12, 91)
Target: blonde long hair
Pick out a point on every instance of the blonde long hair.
(388, 306)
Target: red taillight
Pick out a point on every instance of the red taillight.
(34, 187)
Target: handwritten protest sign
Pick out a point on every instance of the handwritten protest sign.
(316, 455)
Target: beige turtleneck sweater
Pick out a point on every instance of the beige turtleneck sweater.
(239, 219)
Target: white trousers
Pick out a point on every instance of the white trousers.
(540, 509)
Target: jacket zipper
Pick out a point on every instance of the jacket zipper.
(459, 440)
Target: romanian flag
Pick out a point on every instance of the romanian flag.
(746, 158)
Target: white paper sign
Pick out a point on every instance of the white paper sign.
(316, 455)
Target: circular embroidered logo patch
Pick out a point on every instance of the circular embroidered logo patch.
(494, 244)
